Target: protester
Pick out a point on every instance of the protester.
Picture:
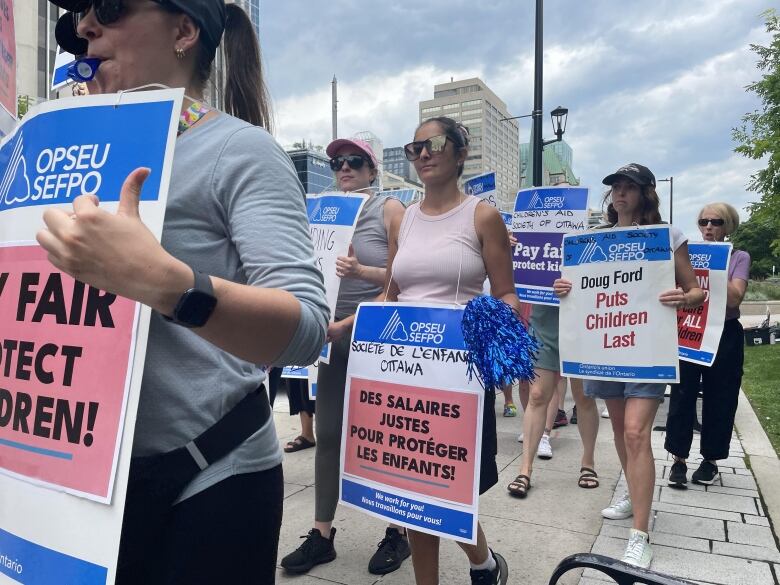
(632, 200)
(441, 253)
(303, 406)
(721, 381)
(236, 225)
(363, 274)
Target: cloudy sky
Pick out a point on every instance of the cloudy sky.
(661, 83)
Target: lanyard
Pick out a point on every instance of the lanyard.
(192, 116)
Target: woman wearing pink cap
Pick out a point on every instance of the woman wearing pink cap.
(363, 274)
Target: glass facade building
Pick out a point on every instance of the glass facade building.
(252, 8)
(313, 170)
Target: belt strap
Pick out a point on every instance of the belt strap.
(243, 421)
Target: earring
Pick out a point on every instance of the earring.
(180, 53)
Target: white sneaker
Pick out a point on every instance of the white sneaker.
(619, 510)
(638, 552)
(545, 449)
(605, 413)
(520, 438)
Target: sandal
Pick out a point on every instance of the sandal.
(510, 410)
(299, 443)
(520, 486)
(589, 479)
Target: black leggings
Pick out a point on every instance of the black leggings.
(720, 384)
(228, 533)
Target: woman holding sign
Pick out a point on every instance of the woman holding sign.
(441, 252)
(632, 200)
(232, 284)
(721, 381)
(363, 273)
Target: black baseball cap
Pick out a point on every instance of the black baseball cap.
(210, 16)
(641, 175)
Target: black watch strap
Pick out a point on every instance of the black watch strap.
(203, 282)
(196, 304)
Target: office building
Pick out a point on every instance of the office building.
(395, 162)
(252, 8)
(36, 48)
(494, 144)
(313, 169)
(391, 181)
(557, 162)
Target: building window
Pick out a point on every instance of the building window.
(478, 112)
(471, 103)
(431, 109)
(450, 106)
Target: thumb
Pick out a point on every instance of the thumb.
(131, 192)
(351, 250)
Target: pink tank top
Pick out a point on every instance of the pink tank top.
(439, 257)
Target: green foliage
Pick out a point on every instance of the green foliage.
(756, 237)
(22, 105)
(760, 382)
(758, 135)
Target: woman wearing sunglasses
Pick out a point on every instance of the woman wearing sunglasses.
(233, 284)
(632, 200)
(441, 252)
(721, 381)
(363, 273)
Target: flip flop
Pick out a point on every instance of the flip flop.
(589, 479)
(299, 443)
(520, 486)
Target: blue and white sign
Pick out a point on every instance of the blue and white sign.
(542, 216)
(507, 217)
(483, 186)
(412, 427)
(62, 63)
(612, 325)
(63, 149)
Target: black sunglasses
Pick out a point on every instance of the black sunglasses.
(106, 11)
(716, 222)
(434, 145)
(354, 161)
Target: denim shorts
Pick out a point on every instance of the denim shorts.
(606, 389)
(544, 326)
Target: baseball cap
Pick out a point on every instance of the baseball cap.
(641, 175)
(210, 16)
(337, 144)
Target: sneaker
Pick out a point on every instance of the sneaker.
(638, 552)
(620, 510)
(315, 550)
(678, 476)
(706, 474)
(605, 413)
(545, 449)
(510, 410)
(573, 417)
(392, 551)
(497, 576)
(560, 419)
(520, 438)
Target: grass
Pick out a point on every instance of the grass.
(761, 383)
(767, 290)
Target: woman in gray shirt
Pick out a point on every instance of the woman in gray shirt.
(236, 227)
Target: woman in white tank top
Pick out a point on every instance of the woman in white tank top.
(441, 251)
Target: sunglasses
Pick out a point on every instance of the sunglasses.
(434, 145)
(716, 222)
(107, 12)
(354, 162)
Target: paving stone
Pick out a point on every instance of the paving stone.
(740, 471)
(752, 535)
(691, 526)
(745, 551)
(739, 481)
(709, 500)
(700, 512)
(595, 577)
(677, 541)
(756, 520)
(717, 489)
(710, 568)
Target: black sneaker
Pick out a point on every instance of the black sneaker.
(573, 417)
(706, 474)
(678, 476)
(497, 576)
(392, 551)
(315, 550)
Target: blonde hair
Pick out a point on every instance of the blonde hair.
(727, 213)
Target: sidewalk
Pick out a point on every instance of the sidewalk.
(719, 535)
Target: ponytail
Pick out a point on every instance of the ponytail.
(246, 95)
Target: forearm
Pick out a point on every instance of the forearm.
(734, 295)
(373, 275)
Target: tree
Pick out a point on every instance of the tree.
(758, 136)
(755, 237)
(22, 105)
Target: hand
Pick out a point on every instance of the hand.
(673, 298)
(561, 287)
(512, 240)
(113, 252)
(337, 330)
(348, 266)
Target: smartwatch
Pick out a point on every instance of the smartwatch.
(196, 304)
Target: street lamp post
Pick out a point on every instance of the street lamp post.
(670, 180)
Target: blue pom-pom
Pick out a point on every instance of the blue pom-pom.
(500, 347)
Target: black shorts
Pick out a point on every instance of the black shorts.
(488, 470)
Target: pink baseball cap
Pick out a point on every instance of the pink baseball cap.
(337, 144)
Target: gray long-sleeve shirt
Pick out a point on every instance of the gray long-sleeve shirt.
(235, 210)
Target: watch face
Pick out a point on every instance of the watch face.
(195, 308)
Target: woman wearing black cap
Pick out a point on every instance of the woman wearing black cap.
(204, 498)
(632, 200)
